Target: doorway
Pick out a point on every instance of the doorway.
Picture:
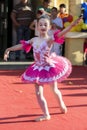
(5, 25)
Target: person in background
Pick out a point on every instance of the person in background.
(33, 25)
(56, 19)
(65, 18)
(64, 15)
(45, 6)
(57, 24)
(22, 15)
(85, 52)
(47, 68)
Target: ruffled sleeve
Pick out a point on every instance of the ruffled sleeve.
(26, 45)
(57, 39)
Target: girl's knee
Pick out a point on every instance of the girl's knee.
(39, 92)
(55, 90)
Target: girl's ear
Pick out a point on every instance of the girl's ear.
(50, 26)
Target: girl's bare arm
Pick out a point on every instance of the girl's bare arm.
(69, 27)
(13, 48)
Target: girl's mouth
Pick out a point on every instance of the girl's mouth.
(43, 30)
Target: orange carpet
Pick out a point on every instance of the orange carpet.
(19, 107)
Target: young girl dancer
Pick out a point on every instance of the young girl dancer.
(47, 68)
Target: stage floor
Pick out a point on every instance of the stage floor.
(19, 107)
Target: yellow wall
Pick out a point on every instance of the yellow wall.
(56, 3)
(74, 42)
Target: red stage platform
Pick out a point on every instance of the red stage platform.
(19, 107)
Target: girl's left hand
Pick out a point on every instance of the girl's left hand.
(76, 21)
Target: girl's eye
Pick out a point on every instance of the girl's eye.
(45, 25)
(40, 24)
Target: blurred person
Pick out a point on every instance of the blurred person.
(65, 18)
(45, 6)
(57, 24)
(63, 14)
(22, 15)
(85, 52)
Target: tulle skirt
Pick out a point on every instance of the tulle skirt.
(57, 69)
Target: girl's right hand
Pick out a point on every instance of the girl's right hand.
(6, 54)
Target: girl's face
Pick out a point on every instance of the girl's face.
(43, 26)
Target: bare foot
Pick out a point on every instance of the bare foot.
(63, 108)
(43, 118)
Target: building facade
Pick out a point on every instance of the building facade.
(7, 32)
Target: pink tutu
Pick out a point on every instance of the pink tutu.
(47, 67)
(58, 69)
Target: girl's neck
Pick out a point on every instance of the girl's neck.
(44, 36)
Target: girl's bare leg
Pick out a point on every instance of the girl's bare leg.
(42, 102)
(58, 95)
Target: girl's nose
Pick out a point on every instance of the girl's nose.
(43, 26)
